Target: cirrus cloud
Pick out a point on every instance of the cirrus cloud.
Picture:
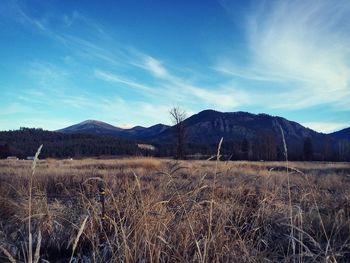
(301, 48)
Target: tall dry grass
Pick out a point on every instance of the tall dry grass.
(176, 211)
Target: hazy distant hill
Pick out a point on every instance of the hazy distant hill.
(92, 127)
(102, 128)
(138, 132)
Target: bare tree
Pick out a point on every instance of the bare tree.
(178, 116)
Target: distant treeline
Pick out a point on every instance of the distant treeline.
(267, 149)
(25, 142)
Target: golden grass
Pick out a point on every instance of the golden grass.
(176, 211)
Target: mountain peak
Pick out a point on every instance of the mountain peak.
(91, 127)
(208, 111)
(96, 122)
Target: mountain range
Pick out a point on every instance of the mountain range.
(102, 128)
(208, 126)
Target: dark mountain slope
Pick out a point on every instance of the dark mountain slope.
(260, 130)
(209, 126)
(343, 134)
(140, 133)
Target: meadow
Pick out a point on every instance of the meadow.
(162, 210)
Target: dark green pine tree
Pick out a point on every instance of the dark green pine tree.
(245, 148)
(308, 150)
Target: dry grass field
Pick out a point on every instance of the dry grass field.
(167, 211)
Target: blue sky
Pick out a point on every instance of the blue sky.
(128, 62)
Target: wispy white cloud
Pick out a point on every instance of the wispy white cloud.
(192, 94)
(110, 77)
(78, 102)
(76, 18)
(219, 98)
(14, 108)
(105, 52)
(298, 47)
(117, 111)
(80, 34)
(26, 19)
(152, 65)
(303, 44)
(37, 122)
(156, 67)
(46, 71)
(167, 89)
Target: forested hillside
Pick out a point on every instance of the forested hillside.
(25, 142)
